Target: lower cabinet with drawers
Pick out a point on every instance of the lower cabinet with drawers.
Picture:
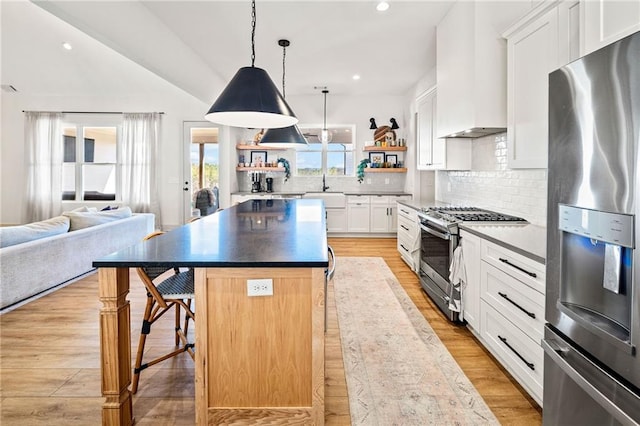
(511, 302)
(408, 236)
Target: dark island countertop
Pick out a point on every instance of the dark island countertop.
(256, 233)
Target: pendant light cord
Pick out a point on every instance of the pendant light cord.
(253, 32)
(284, 54)
(325, 109)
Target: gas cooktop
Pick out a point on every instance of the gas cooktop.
(448, 216)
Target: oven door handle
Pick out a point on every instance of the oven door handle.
(444, 236)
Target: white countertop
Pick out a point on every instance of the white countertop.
(528, 240)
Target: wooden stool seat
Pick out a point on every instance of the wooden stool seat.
(167, 288)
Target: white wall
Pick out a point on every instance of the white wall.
(341, 110)
(176, 105)
(491, 185)
(179, 107)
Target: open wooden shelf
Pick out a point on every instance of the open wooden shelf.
(260, 148)
(385, 170)
(385, 148)
(265, 169)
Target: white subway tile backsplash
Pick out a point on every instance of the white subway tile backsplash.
(490, 185)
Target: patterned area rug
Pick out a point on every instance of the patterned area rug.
(398, 371)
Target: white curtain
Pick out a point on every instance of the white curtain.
(140, 141)
(44, 153)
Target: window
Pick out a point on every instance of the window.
(334, 158)
(204, 158)
(90, 166)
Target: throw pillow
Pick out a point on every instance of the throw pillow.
(12, 235)
(81, 220)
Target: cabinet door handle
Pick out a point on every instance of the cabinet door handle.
(404, 211)
(529, 364)
(404, 227)
(504, 296)
(531, 274)
(404, 248)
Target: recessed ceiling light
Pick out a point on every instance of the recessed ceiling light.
(67, 45)
(382, 6)
(356, 77)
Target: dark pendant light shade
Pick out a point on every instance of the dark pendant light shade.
(251, 100)
(285, 135)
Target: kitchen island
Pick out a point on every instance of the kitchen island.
(260, 359)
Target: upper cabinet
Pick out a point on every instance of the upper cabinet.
(425, 129)
(471, 67)
(606, 21)
(435, 153)
(533, 54)
(540, 42)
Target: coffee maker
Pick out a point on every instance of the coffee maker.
(269, 181)
(256, 183)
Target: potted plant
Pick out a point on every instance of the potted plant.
(287, 168)
(360, 169)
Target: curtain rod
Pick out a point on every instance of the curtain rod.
(92, 112)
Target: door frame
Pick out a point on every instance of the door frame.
(187, 193)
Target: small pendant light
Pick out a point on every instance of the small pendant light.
(287, 137)
(251, 100)
(325, 135)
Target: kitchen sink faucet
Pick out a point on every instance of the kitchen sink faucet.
(324, 185)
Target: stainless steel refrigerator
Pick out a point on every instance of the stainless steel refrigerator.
(592, 336)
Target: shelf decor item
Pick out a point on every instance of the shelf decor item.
(287, 168)
(391, 159)
(360, 169)
(258, 158)
(376, 158)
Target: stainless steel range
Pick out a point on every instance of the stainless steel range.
(439, 237)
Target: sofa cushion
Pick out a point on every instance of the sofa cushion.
(12, 235)
(81, 220)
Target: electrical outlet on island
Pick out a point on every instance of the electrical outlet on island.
(260, 287)
(386, 181)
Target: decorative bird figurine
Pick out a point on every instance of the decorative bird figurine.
(394, 124)
(373, 125)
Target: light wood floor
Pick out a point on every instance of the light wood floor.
(49, 358)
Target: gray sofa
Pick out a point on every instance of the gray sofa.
(32, 267)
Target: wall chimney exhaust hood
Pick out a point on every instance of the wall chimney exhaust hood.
(471, 68)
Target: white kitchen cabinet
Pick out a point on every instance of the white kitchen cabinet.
(532, 46)
(604, 21)
(512, 298)
(568, 31)
(425, 126)
(383, 213)
(435, 153)
(408, 236)
(358, 213)
(336, 220)
(521, 356)
(471, 291)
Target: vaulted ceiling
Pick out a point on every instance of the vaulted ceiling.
(199, 45)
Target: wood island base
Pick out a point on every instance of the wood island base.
(260, 359)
